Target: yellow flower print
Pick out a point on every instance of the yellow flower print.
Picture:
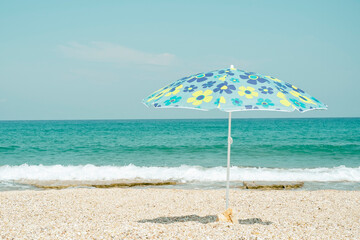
(302, 97)
(223, 78)
(274, 79)
(283, 100)
(219, 101)
(174, 91)
(159, 94)
(200, 96)
(248, 92)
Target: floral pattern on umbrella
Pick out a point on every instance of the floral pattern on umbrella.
(232, 90)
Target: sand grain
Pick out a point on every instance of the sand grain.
(178, 214)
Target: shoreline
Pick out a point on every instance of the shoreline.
(39, 185)
(130, 213)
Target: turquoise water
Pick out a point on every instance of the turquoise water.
(183, 150)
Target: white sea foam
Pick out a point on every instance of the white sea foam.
(183, 173)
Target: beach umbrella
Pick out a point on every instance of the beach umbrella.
(233, 90)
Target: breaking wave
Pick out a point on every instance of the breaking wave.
(184, 173)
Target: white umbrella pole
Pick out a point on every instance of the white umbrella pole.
(228, 163)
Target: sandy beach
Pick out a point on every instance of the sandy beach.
(178, 214)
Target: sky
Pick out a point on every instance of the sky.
(88, 59)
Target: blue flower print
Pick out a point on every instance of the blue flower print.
(217, 101)
(190, 88)
(266, 90)
(297, 103)
(236, 102)
(227, 72)
(174, 91)
(282, 89)
(157, 105)
(250, 107)
(265, 102)
(294, 88)
(172, 100)
(252, 78)
(280, 85)
(208, 84)
(200, 77)
(224, 87)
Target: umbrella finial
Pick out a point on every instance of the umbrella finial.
(232, 67)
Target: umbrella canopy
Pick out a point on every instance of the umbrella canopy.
(232, 90)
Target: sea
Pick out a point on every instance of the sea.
(324, 153)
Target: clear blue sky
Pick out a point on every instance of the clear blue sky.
(99, 59)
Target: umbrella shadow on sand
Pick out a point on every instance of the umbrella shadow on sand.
(254, 221)
(187, 218)
(203, 220)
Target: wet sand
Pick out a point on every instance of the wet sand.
(151, 213)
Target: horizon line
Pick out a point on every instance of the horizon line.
(129, 119)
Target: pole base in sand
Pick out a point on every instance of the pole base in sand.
(226, 216)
